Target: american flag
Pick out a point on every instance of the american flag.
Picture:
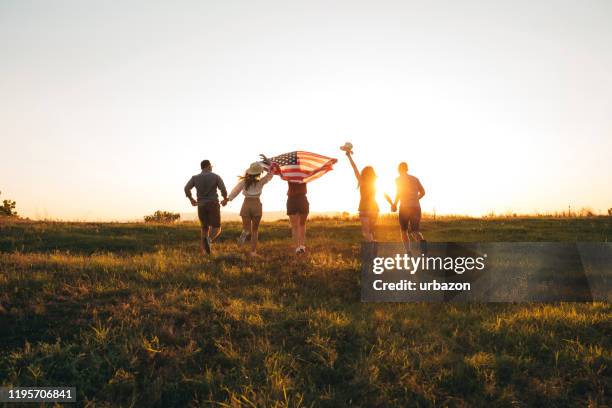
(300, 167)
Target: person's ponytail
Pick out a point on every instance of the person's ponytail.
(249, 180)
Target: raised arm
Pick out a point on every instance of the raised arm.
(267, 177)
(264, 159)
(353, 165)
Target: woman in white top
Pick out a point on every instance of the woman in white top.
(250, 185)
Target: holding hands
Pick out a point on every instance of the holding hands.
(391, 203)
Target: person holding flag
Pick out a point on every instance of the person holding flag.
(298, 168)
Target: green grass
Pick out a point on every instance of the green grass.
(131, 315)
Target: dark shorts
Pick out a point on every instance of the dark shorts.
(209, 214)
(297, 205)
(410, 219)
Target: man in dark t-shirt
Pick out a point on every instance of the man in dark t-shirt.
(206, 184)
(409, 193)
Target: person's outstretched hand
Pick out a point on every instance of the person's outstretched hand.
(224, 202)
(264, 158)
(274, 168)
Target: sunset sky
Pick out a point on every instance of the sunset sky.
(107, 107)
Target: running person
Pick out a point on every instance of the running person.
(250, 185)
(297, 210)
(298, 168)
(206, 184)
(368, 207)
(409, 193)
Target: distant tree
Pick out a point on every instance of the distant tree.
(8, 208)
(610, 212)
(164, 217)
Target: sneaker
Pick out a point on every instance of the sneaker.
(243, 237)
(207, 245)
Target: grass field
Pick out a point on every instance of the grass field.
(132, 315)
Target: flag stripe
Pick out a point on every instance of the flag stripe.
(305, 166)
(314, 163)
(302, 153)
(301, 166)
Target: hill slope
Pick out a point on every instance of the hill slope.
(131, 314)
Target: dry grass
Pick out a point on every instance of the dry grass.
(131, 315)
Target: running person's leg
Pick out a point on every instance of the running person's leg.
(297, 210)
(302, 230)
(404, 223)
(204, 229)
(246, 228)
(373, 222)
(204, 246)
(254, 234)
(213, 211)
(405, 239)
(417, 236)
(215, 232)
(366, 231)
(251, 207)
(414, 219)
(415, 228)
(304, 209)
(294, 220)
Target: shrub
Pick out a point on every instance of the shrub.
(8, 208)
(164, 217)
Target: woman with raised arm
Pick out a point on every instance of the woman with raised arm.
(250, 185)
(368, 207)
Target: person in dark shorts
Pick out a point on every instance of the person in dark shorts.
(297, 210)
(209, 212)
(368, 207)
(409, 193)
